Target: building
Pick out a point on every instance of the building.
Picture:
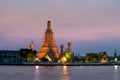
(9, 57)
(115, 56)
(104, 57)
(48, 48)
(69, 54)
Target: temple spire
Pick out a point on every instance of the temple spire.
(49, 25)
(48, 48)
(31, 46)
(69, 47)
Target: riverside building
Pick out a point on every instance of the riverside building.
(9, 57)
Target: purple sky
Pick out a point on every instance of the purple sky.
(91, 25)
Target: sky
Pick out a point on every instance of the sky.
(90, 25)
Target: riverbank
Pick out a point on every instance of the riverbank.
(67, 64)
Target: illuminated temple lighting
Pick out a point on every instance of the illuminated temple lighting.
(49, 59)
(48, 49)
(64, 59)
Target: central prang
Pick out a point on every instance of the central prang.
(48, 48)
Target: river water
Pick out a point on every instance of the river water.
(59, 72)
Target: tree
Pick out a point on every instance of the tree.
(31, 57)
(92, 57)
(27, 54)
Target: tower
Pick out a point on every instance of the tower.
(62, 50)
(115, 56)
(115, 53)
(69, 49)
(48, 48)
(31, 46)
(69, 54)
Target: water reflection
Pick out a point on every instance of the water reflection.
(59, 73)
(65, 70)
(116, 68)
(116, 72)
(36, 67)
(65, 75)
(37, 72)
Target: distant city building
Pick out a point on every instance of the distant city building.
(9, 57)
(48, 48)
(115, 56)
(115, 53)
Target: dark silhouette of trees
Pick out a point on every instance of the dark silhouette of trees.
(92, 57)
(27, 55)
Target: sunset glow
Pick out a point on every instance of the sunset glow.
(91, 25)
